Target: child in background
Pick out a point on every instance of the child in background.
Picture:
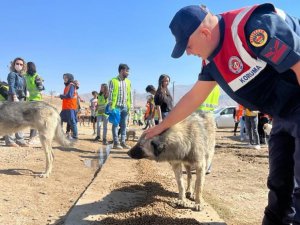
(135, 118)
(149, 114)
(93, 106)
(140, 117)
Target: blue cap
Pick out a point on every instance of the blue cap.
(183, 24)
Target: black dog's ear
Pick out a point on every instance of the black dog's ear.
(158, 147)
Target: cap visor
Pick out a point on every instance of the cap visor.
(179, 48)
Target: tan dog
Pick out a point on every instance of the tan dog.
(191, 143)
(84, 115)
(15, 116)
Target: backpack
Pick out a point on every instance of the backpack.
(4, 89)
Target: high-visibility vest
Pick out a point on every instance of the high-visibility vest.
(34, 93)
(115, 93)
(102, 102)
(239, 110)
(249, 112)
(212, 101)
(70, 103)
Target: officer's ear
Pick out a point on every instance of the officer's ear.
(205, 33)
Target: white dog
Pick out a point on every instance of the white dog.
(267, 128)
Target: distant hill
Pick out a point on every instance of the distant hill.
(181, 90)
(57, 102)
(139, 99)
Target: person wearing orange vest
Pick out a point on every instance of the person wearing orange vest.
(149, 113)
(152, 90)
(237, 116)
(69, 104)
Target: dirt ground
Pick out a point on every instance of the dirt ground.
(236, 188)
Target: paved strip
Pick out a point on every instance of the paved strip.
(103, 198)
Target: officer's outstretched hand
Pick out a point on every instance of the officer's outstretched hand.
(153, 131)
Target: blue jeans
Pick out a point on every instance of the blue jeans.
(242, 127)
(73, 125)
(9, 139)
(122, 124)
(164, 114)
(102, 119)
(251, 126)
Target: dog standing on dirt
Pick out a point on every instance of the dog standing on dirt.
(15, 116)
(267, 128)
(191, 143)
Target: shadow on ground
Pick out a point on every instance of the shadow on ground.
(121, 200)
(154, 219)
(16, 171)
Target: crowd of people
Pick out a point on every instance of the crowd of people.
(23, 84)
(251, 126)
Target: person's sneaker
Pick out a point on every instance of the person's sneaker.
(12, 145)
(117, 146)
(23, 144)
(70, 137)
(97, 138)
(73, 139)
(242, 139)
(257, 147)
(124, 145)
(104, 142)
(33, 141)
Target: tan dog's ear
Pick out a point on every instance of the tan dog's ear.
(158, 147)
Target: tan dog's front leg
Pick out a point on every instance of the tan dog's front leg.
(188, 193)
(199, 183)
(177, 168)
(47, 146)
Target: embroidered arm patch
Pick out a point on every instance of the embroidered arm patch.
(275, 51)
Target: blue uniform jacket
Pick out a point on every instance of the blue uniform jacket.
(271, 38)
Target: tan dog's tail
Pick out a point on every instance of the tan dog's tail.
(60, 136)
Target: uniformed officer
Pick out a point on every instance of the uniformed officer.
(253, 53)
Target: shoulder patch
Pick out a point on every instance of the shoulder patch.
(258, 37)
(275, 51)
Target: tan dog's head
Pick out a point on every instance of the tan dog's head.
(267, 128)
(146, 148)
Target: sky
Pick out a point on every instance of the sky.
(90, 38)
